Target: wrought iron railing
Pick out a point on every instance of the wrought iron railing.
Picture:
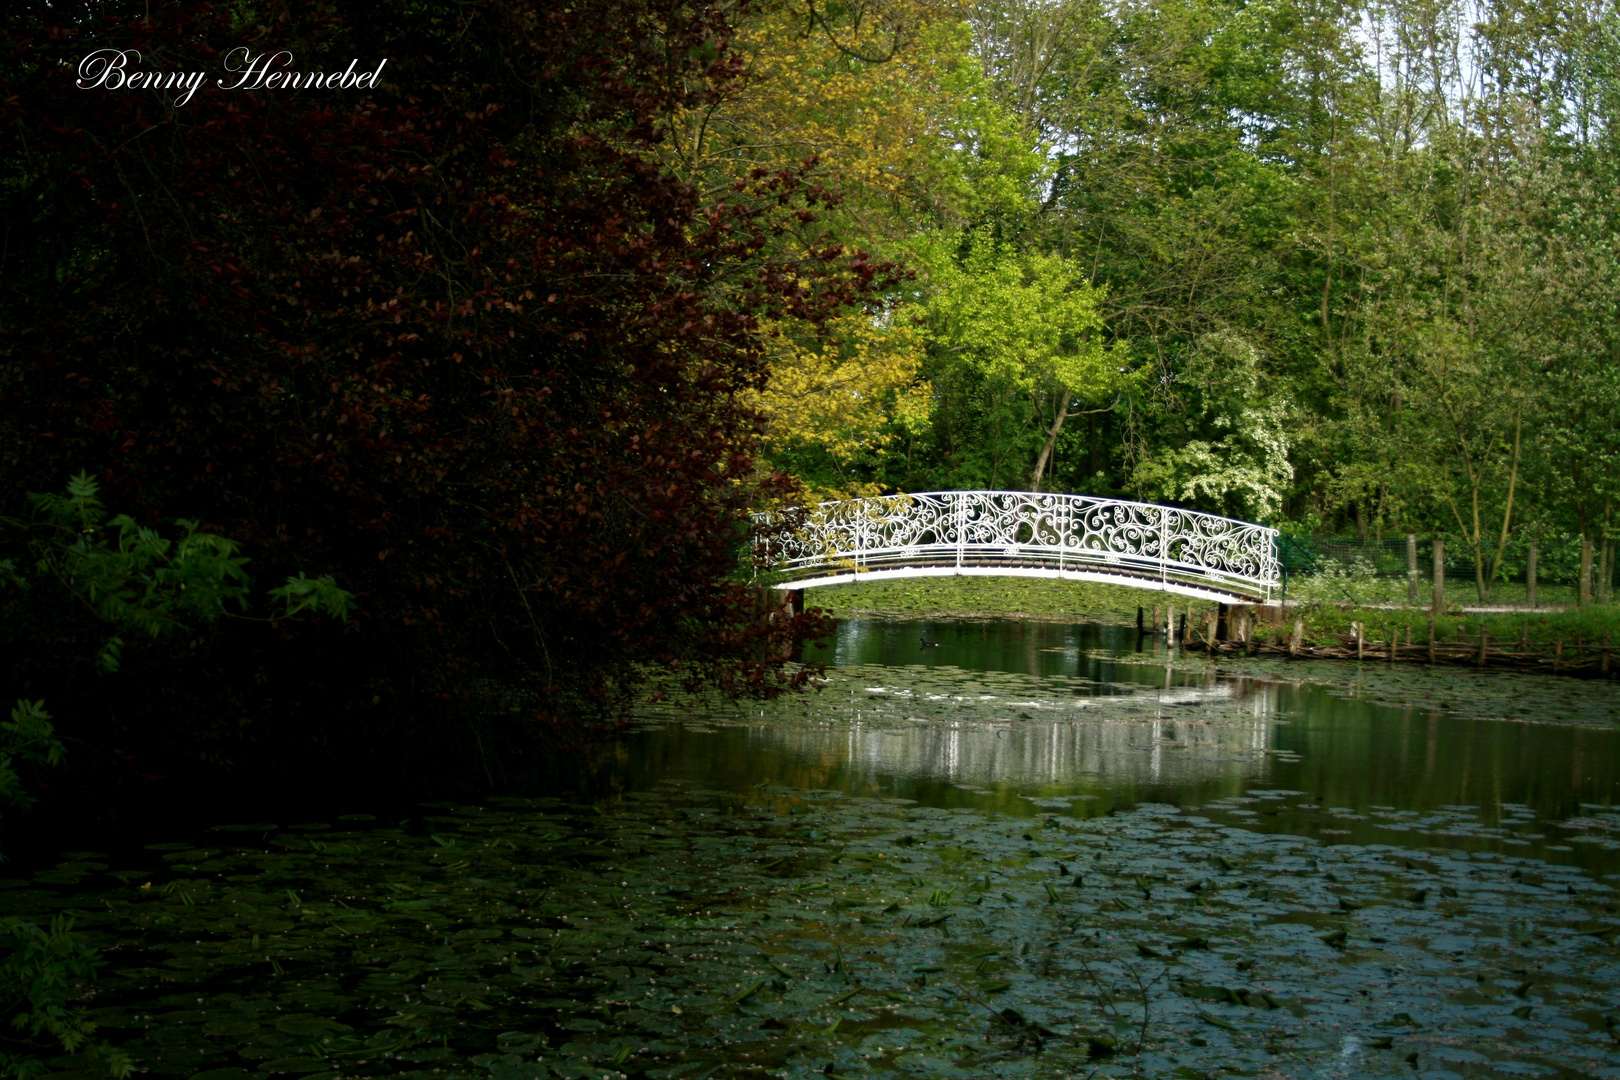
(1021, 529)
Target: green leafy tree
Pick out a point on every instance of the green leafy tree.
(1025, 329)
(1221, 432)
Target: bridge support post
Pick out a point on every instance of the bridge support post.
(1223, 619)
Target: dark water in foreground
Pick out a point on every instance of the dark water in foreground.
(1030, 850)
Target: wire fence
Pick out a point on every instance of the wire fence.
(1339, 569)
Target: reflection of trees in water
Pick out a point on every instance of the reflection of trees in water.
(1191, 733)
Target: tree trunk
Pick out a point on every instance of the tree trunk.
(1051, 441)
(1585, 595)
(1507, 511)
(1605, 589)
(1096, 460)
(1605, 583)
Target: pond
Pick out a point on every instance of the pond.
(983, 849)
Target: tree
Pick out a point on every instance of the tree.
(1222, 434)
(888, 100)
(1026, 328)
(840, 396)
(459, 342)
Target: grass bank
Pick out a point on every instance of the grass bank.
(992, 597)
(1325, 622)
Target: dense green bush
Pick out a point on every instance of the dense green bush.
(116, 577)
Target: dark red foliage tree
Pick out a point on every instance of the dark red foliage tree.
(457, 340)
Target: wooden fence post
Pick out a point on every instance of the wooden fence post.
(1411, 569)
(1439, 603)
(1296, 640)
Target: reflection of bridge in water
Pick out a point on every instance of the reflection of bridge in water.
(1183, 743)
(1022, 534)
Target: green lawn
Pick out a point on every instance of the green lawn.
(1086, 602)
(994, 596)
(1324, 621)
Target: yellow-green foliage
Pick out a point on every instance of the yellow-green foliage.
(842, 389)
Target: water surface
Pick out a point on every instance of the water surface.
(981, 850)
(1027, 716)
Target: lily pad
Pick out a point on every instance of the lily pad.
(293, 1065)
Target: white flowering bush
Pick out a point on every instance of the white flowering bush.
(1335, 581)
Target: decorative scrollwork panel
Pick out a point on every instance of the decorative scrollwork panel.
(1027, 529)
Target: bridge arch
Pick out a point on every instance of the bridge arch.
(1021, 534)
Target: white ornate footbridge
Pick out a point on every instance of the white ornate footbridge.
(1020, 534)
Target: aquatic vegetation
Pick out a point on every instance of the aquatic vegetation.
(40, 962)
(1457, 691)
(1096, 867)
(683, 932)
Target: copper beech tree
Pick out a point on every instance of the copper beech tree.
(458, 341)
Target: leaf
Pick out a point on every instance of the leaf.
(748, 992)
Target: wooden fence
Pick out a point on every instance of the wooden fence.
(1588, 658)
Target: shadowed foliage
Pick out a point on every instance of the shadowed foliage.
(458, 341)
